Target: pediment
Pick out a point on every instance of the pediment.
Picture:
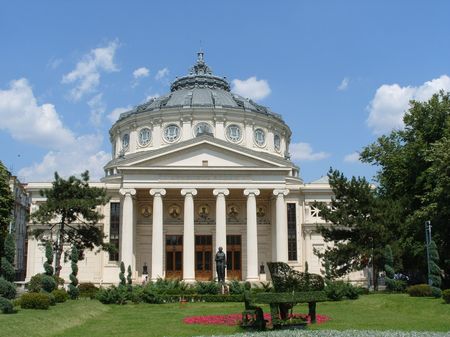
(203, 154)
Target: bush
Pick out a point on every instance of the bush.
(87, 290)
(6, 306)
(7, 289)
(35, 301)
(446, 296)
(114, 295)
(35, 284)
(420, 290)
(236, 288)
(207, 288)
(351, 292)
(60, 295)
(362, 290)
(398, 286)
(335, 290)
(48, 283)
(51, 297)
(436, 292)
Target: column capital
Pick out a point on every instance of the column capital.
(224, 191)
(158, 191)
(129, 191)
(250, 191)
(186, 191)
(278, 191)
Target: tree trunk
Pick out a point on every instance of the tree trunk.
(375, 278)
(59, 249)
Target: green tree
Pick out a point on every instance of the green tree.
(70, 209)
(414, 170)
(359, 226)
(74, 292)
(48, 265)
(6, 206)
(122, 274)
(8, 271)
(129, 276)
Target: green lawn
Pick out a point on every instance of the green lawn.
(90, 318)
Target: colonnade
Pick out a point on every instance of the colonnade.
(157, 271)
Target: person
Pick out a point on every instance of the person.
(221, 264)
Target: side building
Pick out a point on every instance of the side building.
(197, 169)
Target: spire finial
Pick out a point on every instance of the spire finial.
(200, 55)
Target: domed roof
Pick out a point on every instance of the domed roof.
(200, 89)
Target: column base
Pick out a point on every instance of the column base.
(252, 279)
(189, 280)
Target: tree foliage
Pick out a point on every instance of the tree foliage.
(6, 206)
(359, 225)
(7, 266)
(414, 170)
(435, 271)
(48, 265)
(122, 274)
(70, 210)
(74, 292)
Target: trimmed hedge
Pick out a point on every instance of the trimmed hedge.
(294, 297)
(7, 289)
(6, 306)
(60, 295)
(419, 290)
(88, 290)
(446, 296)
(35, 301)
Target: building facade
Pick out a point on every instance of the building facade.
(194, 170)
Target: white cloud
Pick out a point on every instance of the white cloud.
(98, 108)
(352, 157)
(161, 74)
(344, 84)
(304, 151)
(115, 114)
(83, 154)
(141, 72)
(251, 88)
(27, 121)
(390, 102)
(86, 74)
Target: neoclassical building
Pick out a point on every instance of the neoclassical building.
(197, 169)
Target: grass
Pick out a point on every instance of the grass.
(90, 318)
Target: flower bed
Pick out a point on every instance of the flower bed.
(334, 333)
(233, 319)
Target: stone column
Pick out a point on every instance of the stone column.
(252, 236)
(157, 234)
(281, 226)
(221, 220)
(189, 235)
(126, 235)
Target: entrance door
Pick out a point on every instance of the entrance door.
(174, 256)
(234, 257)
(203, 257)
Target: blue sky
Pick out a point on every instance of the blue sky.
(340, 73)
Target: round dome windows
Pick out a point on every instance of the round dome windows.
(260, 137)
(172, 133)
(234, 133)
(145, 136)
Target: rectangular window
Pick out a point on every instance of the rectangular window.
(292, 231)
(114, 229)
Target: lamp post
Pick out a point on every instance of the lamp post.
(428, 241)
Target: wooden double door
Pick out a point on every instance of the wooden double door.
(204, 256)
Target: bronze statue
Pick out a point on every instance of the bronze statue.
(221, 264)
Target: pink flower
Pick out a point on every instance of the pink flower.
(233, 319)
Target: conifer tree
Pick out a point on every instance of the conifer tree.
(122, 274)
(48, 265)
(6, 206)
(129, 280)
(435, 271)
(73, 286)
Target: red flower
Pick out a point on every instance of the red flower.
(233, 319)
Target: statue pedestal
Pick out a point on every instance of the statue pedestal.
(262, 277)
